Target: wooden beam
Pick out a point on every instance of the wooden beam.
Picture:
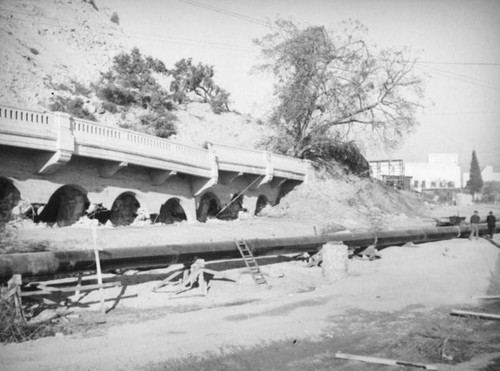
(465, 313)
(47, 290)
(487, 297)
(383, 361)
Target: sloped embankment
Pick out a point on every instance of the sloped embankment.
(350, 202)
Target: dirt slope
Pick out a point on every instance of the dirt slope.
(45, 42)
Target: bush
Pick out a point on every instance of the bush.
(160, 124)
(80, 89)
(219, 103)
(110, 107)
(73, 106)
(76, 88)
(491, 192)
(114, 18)
(116, 95)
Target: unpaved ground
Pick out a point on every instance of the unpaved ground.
(397, 306)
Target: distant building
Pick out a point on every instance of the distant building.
(391, 172)
(441, 171)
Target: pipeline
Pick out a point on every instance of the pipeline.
(50, 263)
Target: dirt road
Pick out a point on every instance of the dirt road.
(397, 306)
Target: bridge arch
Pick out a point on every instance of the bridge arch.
(172, 211)
(124, 209)
(209, 206)
(9, 197)
(232, 210)
(66, 205)
(262, 202)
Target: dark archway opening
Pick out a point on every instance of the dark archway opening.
(209, 207)
(99, 213)
(65, 206)
(124, 209)
(262, 202)
(231, 211)
(171, 212)
(9, 198)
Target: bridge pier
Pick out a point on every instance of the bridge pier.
(68, 163)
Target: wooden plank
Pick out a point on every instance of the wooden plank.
(63, 280)
(475, 314)
(49, 290)
(383, 361)
(487, 297)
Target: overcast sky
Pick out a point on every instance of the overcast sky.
(459, 41)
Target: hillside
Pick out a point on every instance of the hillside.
(48, 45)
(45, 43)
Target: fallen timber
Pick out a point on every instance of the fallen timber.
(51, 263)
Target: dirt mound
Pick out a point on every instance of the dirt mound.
(349, 202)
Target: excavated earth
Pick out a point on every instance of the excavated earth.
(396, 307)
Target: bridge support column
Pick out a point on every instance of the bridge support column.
(189, 206)
(250, 203)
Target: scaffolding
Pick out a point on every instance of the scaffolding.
(391, 172)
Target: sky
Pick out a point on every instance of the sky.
(458, 40)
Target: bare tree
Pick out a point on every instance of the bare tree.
(332, 88)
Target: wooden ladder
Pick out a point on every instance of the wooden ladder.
(251, 263)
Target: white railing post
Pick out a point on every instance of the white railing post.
(65, 144)
(309, 171)
(65, 137)
(269, 168)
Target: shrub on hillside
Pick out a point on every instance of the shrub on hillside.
(114, 18)
(160, 124)
(116, 95)
(198, 79)
(74, 87)
(131, 83)
(110, 107)
(73, 106)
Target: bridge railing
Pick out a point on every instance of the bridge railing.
(27, 122)
(93, 134)
(228, 156)
(233, 158)
(285, 165)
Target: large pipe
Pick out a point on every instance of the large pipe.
(69, 261)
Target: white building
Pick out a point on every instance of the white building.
(440, 171)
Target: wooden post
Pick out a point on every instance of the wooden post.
(78, 285)
(14, 289)
(98, 268)
(334, 261)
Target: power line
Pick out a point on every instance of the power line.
(227, 12)
(450, 75)
(234, 47)
(207, 43)
(164, 39)
(461, 63)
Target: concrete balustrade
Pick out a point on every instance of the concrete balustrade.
(28, 128)
(42, 154)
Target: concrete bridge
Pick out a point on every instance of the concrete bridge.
(66, 164)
